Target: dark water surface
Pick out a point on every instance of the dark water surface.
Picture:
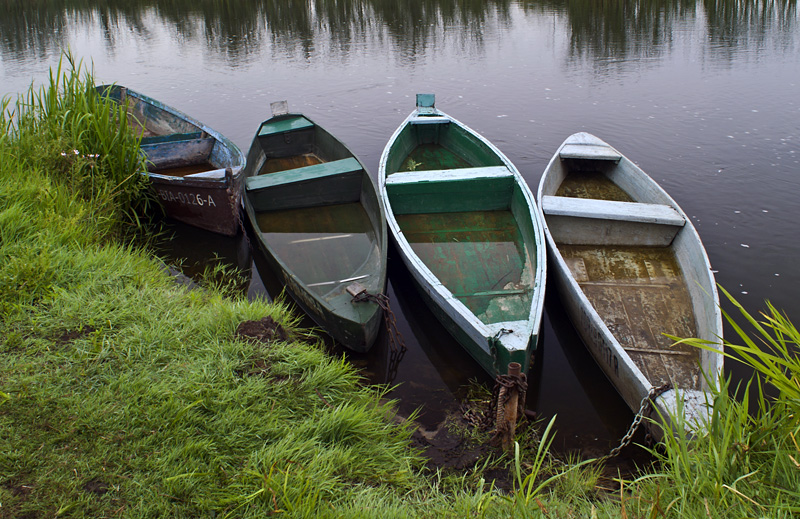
(702, 95)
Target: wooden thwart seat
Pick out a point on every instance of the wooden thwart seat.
(284, 125)
(610, 210)
(325, 169)
(589, 152)
(429, 119)
(440, 175)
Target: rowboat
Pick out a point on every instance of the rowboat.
(467, 229)
(195, 171)
(320, 225)
(630, 268)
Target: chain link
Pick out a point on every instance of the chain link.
(494, 341)
(646, 404)
(501, 394)
(240, 220)
(396, 342)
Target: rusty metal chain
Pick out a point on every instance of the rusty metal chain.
(501, 386)
(394, 362)
(240, 220)
(647, 403)
(389, 319)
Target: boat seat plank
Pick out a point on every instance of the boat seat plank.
(325, 169)
(611, 210)
(429, 119)
(284, 125)
(171, 137)
(174, 154)
(589, 151)
(439, 175)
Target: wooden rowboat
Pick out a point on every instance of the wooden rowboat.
(195, 171)
(320, 224)
(467, 228)
(630, 268)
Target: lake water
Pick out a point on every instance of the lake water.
(704, 96)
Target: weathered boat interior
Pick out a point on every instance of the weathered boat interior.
(625, 258)
(174, 146)
(315, 207)
(463, 215)
(342, 232)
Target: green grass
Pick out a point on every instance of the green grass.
(84, 142)
(746, 461)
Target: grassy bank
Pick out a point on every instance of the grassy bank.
(123, 393)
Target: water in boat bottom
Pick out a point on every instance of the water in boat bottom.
(432, 156)
(304, 238)
(478, 256)
(592, 184)
(183, 171)
(274, 165)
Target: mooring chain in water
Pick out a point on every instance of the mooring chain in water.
(648, 403)
(394, 362)
(240, 220)
(389, 319)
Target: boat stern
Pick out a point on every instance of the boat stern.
(511, 342)
(686, 409)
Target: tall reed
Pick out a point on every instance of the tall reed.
(84, 141)
(746, 461)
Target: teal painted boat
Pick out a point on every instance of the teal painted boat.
(195, 171)
(467, 228)
(320, 225)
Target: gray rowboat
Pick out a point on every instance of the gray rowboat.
(630, 267)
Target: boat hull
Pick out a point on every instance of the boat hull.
(195, 172)
(211, 205)
(667, 286)
(356, 334)
(475, 341)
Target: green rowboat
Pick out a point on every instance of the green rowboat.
(320, 225)
(467, 228)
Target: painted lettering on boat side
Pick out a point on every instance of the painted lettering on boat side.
(598, 341)
(187, 198)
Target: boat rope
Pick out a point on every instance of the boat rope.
(503, 384)
(396, 342)
(646, 405)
